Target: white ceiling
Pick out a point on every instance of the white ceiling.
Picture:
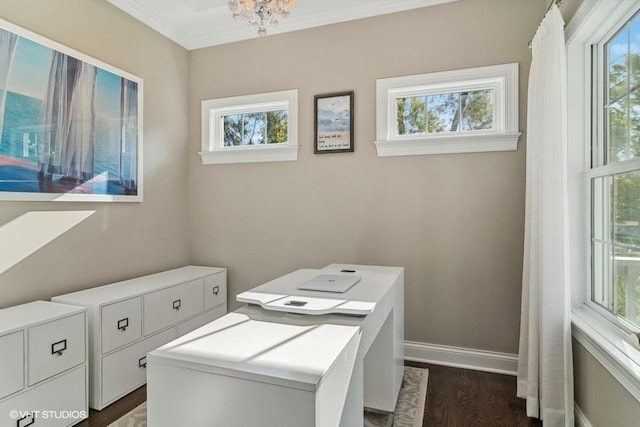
(195, 24)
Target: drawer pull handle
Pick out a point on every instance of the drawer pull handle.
(58, 347)
(216, 290)
(29, 417)
(142, 362)
(176, 304)
(123, 323)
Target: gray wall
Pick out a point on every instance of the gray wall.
(602, 399)
(455, 222)
(119, 240)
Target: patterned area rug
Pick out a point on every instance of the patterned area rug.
(409, 408)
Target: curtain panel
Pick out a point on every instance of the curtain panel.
(69, 119)
(545, 372)
(8, 42)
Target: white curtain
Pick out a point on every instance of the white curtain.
(545, 372)
(8, 42)
(68, 146)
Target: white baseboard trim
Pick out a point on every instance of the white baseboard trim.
(581, 419)
(457, 357)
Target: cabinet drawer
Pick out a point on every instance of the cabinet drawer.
(125, 370)
(215, 290)
(11, 363)
(121, 323)
(55, 347)
(171, 305)
(201, 320)
(63, 399)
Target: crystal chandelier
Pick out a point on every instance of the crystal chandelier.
(257, 12)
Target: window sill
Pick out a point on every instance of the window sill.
(449, 144)
(255, 154)
(609, 345)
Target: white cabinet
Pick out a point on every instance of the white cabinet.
(121, 323)
(126, 369)
(55, 347)
(236, 371)
(43, 365)
(11, 365)
(172, 305)
(269, 368)
(129, 319)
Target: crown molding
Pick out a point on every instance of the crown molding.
(195, 27)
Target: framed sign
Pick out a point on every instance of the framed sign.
(333, 123)
(70, 126)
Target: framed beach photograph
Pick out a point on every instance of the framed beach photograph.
(70, 125)
(333, 123)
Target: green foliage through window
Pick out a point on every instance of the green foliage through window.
(269, 127)
(622, 55)
(445, 112)
(616, 195)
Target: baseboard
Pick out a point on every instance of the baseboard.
(479, 360)
(581, 419)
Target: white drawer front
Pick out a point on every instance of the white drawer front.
(60, 402)
(121, 323)
(11, 363)
(203, 319)
(215, 290)
(55, 347)
(125, 370)
(172, 305)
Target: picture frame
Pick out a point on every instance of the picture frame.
(70, 125)
(333, 123)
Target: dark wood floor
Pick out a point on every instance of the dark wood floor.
(115, 410)
(455, 398)
(465, 398)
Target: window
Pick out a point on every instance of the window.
(603, 48)
(460, 111)
(263, 127)
(615, 174)
(251, 128)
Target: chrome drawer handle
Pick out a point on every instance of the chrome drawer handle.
(29, 417)
(176, 304)
(58, 347)
(216, 290)
(123, 323)
(142, 362)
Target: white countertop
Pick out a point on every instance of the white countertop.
(287, 354)
(361, 299)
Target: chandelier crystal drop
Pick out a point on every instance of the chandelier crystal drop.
(258, 12)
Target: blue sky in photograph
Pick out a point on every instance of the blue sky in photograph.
(30, 70)
(333, 114)
(108, 93)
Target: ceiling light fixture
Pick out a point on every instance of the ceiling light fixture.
(257, 12)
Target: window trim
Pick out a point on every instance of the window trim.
(212, 110)
(602, 334)
(503, 137)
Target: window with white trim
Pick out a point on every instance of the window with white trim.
(250, 128)
(603, 67)
(469, 110)
(615, 173)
